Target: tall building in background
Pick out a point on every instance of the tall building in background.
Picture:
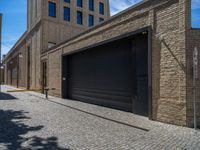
(49, 22)
(62, 19)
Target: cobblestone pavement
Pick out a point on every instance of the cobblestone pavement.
(30, 122)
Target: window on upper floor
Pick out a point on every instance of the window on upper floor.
(195, 13)
(91, 20)
(91, 5)
(101, 19)
(52, 9)
(66, 14)
(101, 8)
(67, 1)
(79, 18)
(80, 3)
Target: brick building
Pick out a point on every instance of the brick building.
(139, 60)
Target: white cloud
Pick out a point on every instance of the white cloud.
(119, 5)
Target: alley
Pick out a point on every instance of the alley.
(29, 121)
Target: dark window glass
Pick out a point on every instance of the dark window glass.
(52, 9)
(67, 1)
(79, 3)
(101, 19)
(91, 20)
(101, 8)
(66, 13)
(91, 5)
(79, 17)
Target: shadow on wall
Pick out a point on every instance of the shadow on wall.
(5, 96)
(12, 130)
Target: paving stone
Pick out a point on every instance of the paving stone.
(29, 121)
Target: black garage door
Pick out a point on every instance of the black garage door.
(112, 75)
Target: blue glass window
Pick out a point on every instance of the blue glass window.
(91, 5)
(52, 9)
(79, 3)
(66, 13)
(101, 19)
(67, 1)
(79, 17)
(91, 20)
(101, 8)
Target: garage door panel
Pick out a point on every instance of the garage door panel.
(102, 76)
(113, 75)
(104, 91)
(141, 47)
(104, 102)
(116, 96)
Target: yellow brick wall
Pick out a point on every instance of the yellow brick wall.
(168, 20)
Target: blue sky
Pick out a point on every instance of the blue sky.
(14, 18)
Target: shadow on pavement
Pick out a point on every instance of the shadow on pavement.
(5, 96)
(12, 130)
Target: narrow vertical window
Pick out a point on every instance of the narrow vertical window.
(66, 14)
(101, 8)
(79, 3)
(91, 5)
(79, 17)
(52, 9)
(67, 1)
(91, 20)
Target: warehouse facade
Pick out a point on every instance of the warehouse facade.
(139, 61)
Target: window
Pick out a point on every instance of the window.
(52, 9)
(91, 5)
(101, 8)
(91, 20)
(79, 3)
(67, 1)
(66, 13)
(79, 17)
(101, 19)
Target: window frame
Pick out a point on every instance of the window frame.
(101, 8)
(90, 18)
(67, 1)
(81, 17)
(79, 3)
(51, 7)
(91, 5)
(66, 13)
